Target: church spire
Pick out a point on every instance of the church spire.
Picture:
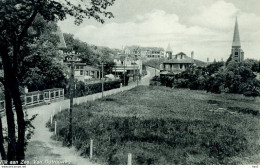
(236, 39)
(62, 43)
(169, 48)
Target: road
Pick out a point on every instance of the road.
(43, 150)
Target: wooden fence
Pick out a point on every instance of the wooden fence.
(38, 97)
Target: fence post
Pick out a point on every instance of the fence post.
(78, 101)
(38, 97)
(91, 149)
(51, 119)
(25, 101)
(50, 95)
(55, 128)
(129, 160)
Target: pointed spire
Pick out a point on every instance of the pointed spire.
(62, 43)
(169, 48)
(236, 39)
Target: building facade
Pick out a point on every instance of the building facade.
(82, 72)
(237, 54)
(144, 52)
(128, 64)
(177, 64)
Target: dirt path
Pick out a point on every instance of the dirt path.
(43, 150)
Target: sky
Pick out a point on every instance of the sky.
(203, 26)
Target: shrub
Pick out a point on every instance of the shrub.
(83, 90)
(167, 81)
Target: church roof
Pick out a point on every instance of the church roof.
(62, 43)
(236, 39)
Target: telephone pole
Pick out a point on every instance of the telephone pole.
(124, 72)
(102, 79)
(72, 91)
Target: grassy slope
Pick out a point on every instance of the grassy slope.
(168, 126)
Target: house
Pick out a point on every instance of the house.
(128, 64)
(82, 71)
(176, 64)
(144, 52)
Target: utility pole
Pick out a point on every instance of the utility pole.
(102, 79)
(124, 72)
(134, 72)
(72, 90)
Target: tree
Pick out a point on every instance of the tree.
(16, 17)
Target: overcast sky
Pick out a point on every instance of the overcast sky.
(203, 26)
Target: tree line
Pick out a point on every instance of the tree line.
(26, 39)
(218, 77)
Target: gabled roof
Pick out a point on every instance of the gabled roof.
(236, 38)
(182, 53)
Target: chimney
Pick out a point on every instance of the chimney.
(192, 54)
(207, 59)
(221, 59)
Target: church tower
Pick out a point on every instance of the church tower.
(237, 54)
(169, 52)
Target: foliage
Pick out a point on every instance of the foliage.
(16, 19)
(234, 78)
(82, 89)
(41, 68)
(167, 81)
(91, 54)
(124, 78)
(154, 63)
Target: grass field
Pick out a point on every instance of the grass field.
(160, 125)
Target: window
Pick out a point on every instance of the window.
(181, 66)
(81, 72)
(236, 54)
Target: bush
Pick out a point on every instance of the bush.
(155, 81)
(167, 81)
(83, 90)
(234, 78)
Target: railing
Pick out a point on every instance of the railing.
(38, 97)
